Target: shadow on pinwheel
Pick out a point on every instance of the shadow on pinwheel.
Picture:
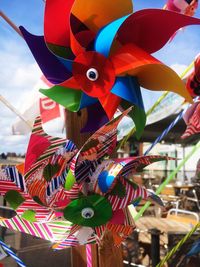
(71, 196)
(99, 54)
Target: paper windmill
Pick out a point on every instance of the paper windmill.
(187, 7)
(72, 197)
(97, 53)
(193, 81)
(192, 120)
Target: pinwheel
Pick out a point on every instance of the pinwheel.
(187, 7)
(192, 120)
(98, 55)
(193, 81)
(85, 195)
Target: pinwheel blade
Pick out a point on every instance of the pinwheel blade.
(50, 65)
(150, 29)
(57, 25)
(97, 14)
(110, 104)
(134, 61)
(106, 36)
(69, 98)
(96, 118)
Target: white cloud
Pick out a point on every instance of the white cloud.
(19, 77)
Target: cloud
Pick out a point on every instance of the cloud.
(19, 78)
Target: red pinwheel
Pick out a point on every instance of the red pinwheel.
(97, 53)
(193, 80)
(187, 7)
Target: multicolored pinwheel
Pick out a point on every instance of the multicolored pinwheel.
(97, 53)
(193, 80)
(192, 120)
(186, 7)
(72, 197)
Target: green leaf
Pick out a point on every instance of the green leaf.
(70, 180)
(37, 200)
(29, 215)
(118, 190)
(14, 198)
(50, 171)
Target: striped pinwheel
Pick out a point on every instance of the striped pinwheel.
(192, 120)
(97, 53)
(72, 197)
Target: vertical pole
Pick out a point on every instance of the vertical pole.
(155, 246)
(166, 167)
(176, 160)
(106, 255)
(184, 175)
(140, 149)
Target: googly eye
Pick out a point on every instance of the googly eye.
(87, 213)
(92, 74)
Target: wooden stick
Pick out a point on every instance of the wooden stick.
(106, 255)
(14, 110)
(15, 28)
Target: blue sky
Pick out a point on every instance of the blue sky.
(20, 74)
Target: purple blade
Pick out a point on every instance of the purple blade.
(96, 118)
(52, 68)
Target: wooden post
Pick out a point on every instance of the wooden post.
(106, 255)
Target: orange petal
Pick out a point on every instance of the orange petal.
(96, 14)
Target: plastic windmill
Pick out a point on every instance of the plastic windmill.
(98, 54)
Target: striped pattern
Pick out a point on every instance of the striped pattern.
(131, 194)
(55, 153)
(99, 231)
(74, 192)
(15, 181)
(53, 231)
(14, 176)
(73, 242)
(165, 132)
(68, 236)
(137, 164)
(56, 183)
(89, 255)
(194, 124)
(106, 137)
(12, 254)
(120, 228)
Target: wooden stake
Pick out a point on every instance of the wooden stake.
(106, 255)
(11, 23)
(14, 110)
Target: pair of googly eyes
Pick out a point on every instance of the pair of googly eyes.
(92, 74)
